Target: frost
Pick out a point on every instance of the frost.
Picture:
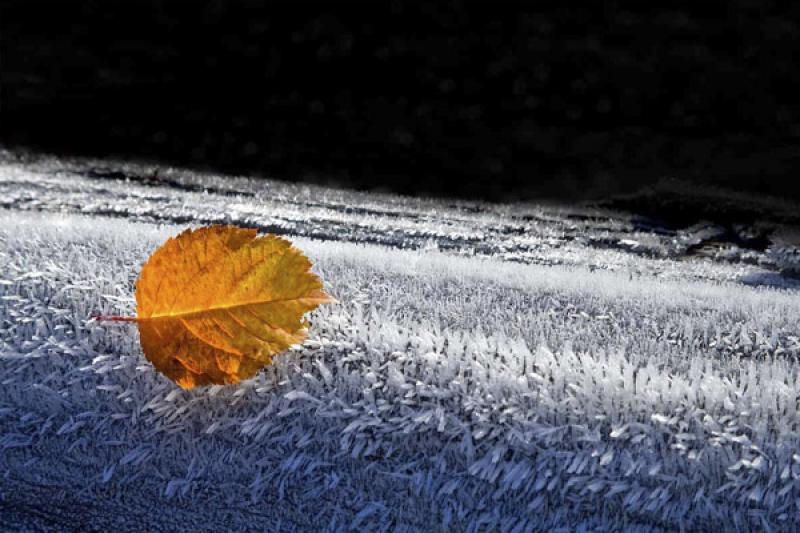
(450, 389)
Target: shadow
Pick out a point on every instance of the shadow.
(770, 279)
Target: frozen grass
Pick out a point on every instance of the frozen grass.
(444, 392)
(531, 234)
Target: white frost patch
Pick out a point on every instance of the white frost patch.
(443, 391)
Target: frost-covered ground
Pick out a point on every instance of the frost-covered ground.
(508, 368)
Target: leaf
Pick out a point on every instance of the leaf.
(216, 303)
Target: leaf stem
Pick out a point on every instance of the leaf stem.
(113, 318)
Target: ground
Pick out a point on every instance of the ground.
(488, 366)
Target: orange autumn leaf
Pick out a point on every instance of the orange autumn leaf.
(215, 304)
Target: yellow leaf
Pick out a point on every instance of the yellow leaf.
(215, 304)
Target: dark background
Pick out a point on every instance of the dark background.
(500, 101)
